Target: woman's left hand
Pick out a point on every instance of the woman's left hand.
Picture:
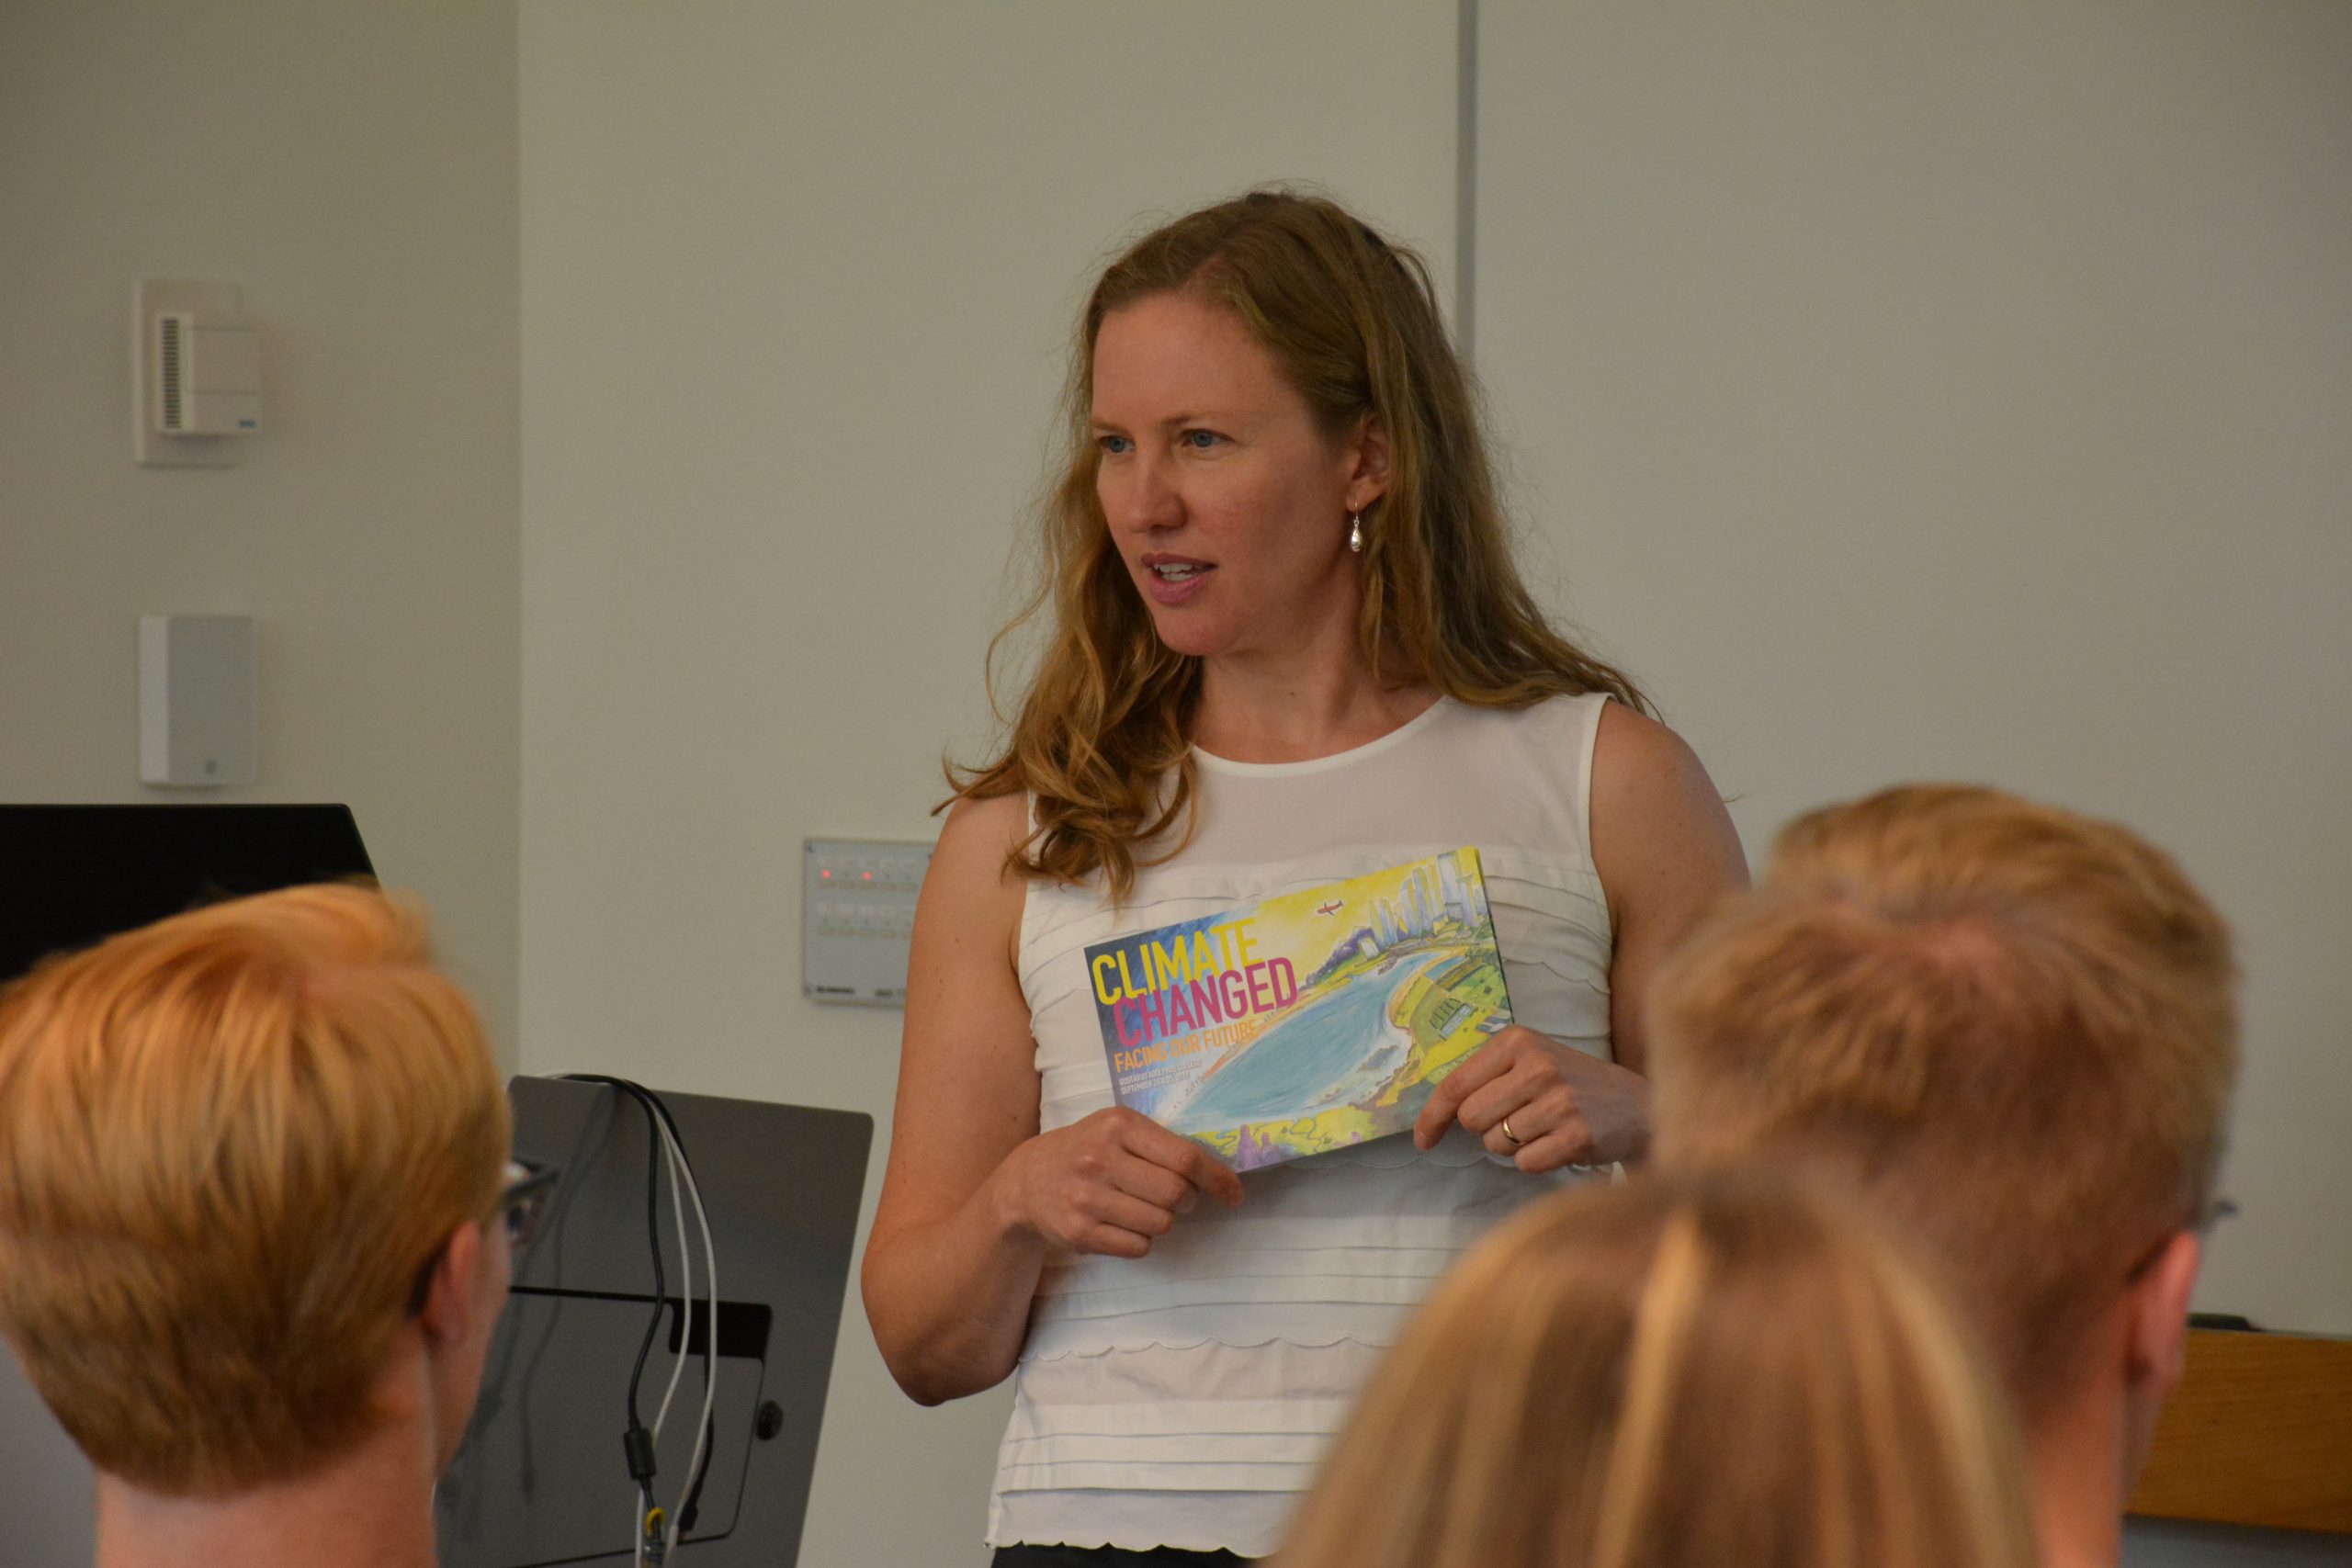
(1541, 1105)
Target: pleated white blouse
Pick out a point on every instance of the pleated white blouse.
(1184, 1399)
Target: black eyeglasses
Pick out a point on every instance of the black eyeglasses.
(523, 1200)
(522, 1205)
(2201, 1223)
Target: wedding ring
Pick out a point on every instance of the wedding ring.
(1515, 1139)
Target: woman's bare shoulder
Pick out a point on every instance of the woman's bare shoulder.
(994, 825)
(972, 884)
(1637, 755)
(1656, 816)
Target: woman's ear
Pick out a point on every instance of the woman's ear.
(452, 1301)
(1369, 481)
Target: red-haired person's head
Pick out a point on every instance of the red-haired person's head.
(251, 1162)
(2013, 1029)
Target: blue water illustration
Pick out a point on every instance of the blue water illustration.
(1315, 1059)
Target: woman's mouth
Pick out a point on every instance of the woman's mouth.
(1171, 580)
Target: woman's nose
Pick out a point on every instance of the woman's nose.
(1146, 498)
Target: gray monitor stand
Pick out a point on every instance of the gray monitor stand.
(542, 1479)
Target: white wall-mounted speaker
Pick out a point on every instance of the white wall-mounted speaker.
(196, 704)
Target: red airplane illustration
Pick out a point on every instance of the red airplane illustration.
(1328, 908)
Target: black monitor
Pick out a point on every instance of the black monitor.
(76, 874)
(541, 1479)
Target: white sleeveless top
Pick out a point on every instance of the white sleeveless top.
(1184, 1399)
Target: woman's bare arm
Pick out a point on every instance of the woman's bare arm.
(1666, 850)
(947, 1281)
(974, 1200)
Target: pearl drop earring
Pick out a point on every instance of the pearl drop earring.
(1355, 532)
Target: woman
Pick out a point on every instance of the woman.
(1288, 647)
(1677, 1373)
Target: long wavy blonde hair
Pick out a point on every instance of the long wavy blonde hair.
(1679, 1373)
(1102, 740)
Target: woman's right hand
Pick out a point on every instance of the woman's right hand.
(1111, 1183)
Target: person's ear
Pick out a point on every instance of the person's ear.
(2159, 1314)
(1369, 483)
(451, 1301)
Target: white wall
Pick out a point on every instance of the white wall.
(1944, 392)
(354, 167)
(797, 283)
(1954, 391)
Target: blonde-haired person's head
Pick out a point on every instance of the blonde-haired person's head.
(1679, 1373)
(2013, 1025)
(230, 1142)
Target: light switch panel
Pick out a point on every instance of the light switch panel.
(857, 917)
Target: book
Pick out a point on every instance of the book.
(1309, 1020)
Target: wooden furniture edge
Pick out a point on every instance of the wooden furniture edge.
(2258, 1433)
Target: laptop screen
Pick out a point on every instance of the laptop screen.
(72, 874)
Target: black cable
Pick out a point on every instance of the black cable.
(635, 1443)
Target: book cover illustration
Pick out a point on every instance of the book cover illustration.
(1309, 1020)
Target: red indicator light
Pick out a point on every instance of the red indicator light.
(826, 874)
(867, 874)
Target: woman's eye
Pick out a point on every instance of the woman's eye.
(1200, 440)
(1113, 446)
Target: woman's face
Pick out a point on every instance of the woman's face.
(1226, 502)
